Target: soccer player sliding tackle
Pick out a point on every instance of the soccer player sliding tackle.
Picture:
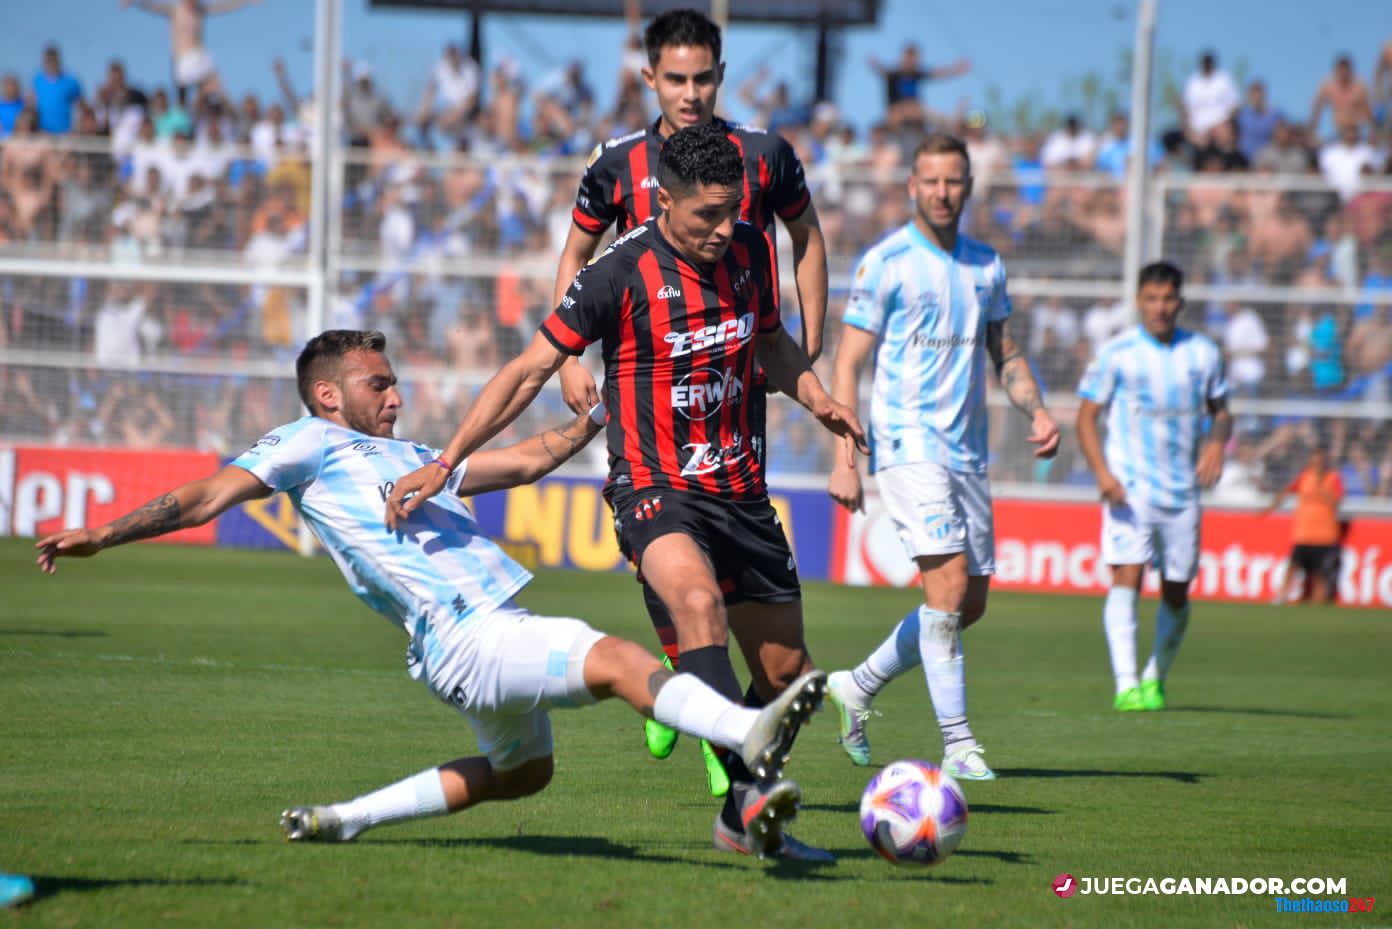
(451, 591)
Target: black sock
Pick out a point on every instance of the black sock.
(711, 664)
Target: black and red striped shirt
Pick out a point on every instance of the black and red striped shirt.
(620, 182)
(678, 345)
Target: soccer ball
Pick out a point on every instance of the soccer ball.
(913, 813)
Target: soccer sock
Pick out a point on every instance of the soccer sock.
(662, 624)
(940, 647)
(1170, 626)
(1119, 622)
(711, 664)
(689, 705)
(417, 796)
(893, 657)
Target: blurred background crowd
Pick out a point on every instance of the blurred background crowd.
(453, 206)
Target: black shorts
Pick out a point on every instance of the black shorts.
(743, 539)
(1317, 560)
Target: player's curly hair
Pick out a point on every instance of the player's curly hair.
(699, 155)
(676, 28)
(321, 355)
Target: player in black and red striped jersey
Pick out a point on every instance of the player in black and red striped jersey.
(682, 306)
(619, 189)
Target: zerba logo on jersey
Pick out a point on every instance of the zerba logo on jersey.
(737, 331)
(705, 458)
(711, 392)
(668, 292)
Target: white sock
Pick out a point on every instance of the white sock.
(1170, 626)
(893, 657)
(689, 705)
(940, 648)
(1119, 622)
(415, 797)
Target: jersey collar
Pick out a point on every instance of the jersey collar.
(917, 235)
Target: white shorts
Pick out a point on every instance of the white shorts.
(505, 671)
(1146, 535)
(939, 511)
(192, 67)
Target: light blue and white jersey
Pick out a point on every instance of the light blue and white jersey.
(1156, 397)
(440, 574)
(930, 310)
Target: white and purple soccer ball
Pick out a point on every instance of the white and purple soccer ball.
(913, 813)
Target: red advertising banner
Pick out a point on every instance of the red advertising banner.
(1055, 547)
(45, 489)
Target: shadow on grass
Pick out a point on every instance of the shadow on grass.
(55, 633)
(974, 808)
(568, 845)
(46, 886)
(1258, 711)
(1183, 777)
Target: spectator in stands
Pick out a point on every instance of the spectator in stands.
(1221, 150)
(1284, 154)
(1378, 280)
(1114, 148)
(451, 95)
(1344, 161)
(990, 156)
(11, 103)
(55, 93)
(1359, 472)
(1382, 87)
(193, 65)
(1345, 94)
(1210, 100)
(1280, 243)
(364, 110)
(1071, 147)
(902, 83)
(1245, 341)
(1256, 121)
(117, 326)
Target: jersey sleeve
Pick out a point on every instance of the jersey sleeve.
(787, 194)
(1099, 380)
(865, 309)
(1217, 386)
(288, 457)
(595, 209)
(589, 309)
(998, 309)
(769, 311)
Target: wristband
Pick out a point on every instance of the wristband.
(598, 416)
(442, 463)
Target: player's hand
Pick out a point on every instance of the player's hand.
(1044, 433)
(420, 485)
(1210, 464)
(578, 387)
(1111, 490)
(841, 420)
(70, 543)
(845, 486)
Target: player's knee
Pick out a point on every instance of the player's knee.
(1175, 596)
(529, 778)
(701, 617)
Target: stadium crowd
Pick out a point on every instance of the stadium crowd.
(453, 205)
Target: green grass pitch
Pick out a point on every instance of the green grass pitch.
(159, 706)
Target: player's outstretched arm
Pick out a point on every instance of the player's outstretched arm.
(810, 274)
(1211, 456)
(578, 387)
(500, 401)
(844, 486)
(1020, 386)
(149, 6)
(1090, 442)
(192, 504)
(531, 459)
(789, 370)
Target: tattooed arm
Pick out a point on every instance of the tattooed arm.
(1021, 387)
(192, 504)
(531, 459)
